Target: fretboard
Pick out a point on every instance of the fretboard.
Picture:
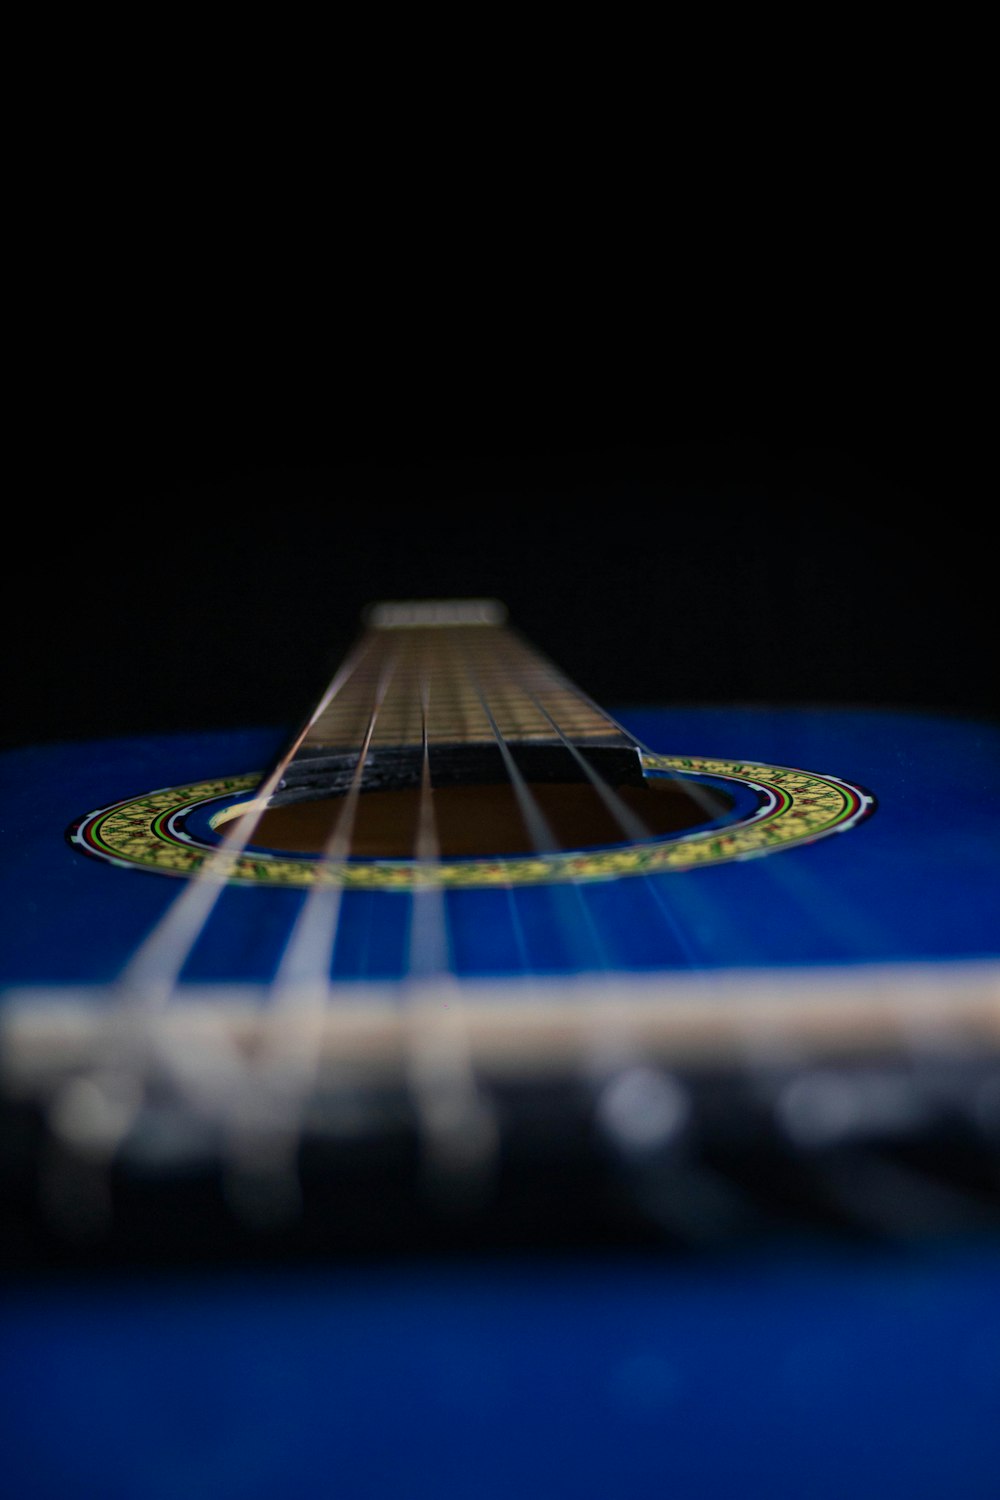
(455, 677)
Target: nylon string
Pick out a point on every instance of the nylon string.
(266, 1122)
(457, 1126)
(442, 1080)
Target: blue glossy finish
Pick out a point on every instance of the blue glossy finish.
(799, 1372)
(917, 881)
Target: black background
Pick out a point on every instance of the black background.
(695, 385)
(171, 572)
(678, 501)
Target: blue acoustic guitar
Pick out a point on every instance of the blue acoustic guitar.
(684, 1024)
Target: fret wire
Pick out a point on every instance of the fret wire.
(515, 677)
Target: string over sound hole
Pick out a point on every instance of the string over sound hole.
(481, 821)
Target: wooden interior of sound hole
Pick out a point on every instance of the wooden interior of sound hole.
(486, 820)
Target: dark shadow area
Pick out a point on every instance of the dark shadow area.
(216, 580)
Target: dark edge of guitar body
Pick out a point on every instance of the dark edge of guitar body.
(733, 1173)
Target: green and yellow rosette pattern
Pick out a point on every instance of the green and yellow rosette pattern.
(795, 807)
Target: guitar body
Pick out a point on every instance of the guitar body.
(793, 1364)
(915, 882)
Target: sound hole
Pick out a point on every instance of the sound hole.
(480, 821)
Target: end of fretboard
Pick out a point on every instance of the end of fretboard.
(411, 614)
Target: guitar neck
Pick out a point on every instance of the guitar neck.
(454, 682)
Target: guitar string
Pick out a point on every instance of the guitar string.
(632, 826)
(638, 1102)
(542, 835)
(687, 784)
(660, 1109)
(433, 1090)
(448, 653)
(751, 1038)
(690, 786)
(819, 1099)
(683, 935)
(217, 864)
(629, 823)
(457, 1124)
(289, 1056)
(458, 1118)
(309, 950)
(615, 1040)
(467, 1122)
(98, 1108)
(137, 980)
(457, 1127)
(815, 1099)
(616, 805)
(451, 1108)
(520, 940)
(699, 794)
(151, 976)
(636, 830)
(266, 1126)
